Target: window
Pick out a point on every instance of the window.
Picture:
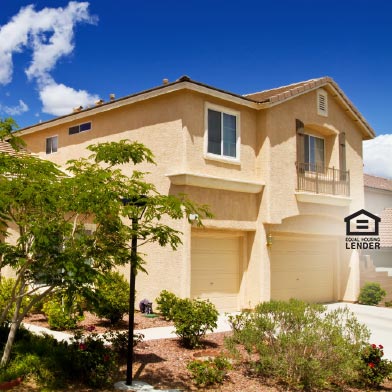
(51, 144)
(322, 103)
(222, 133)
(79, 128)
(314, 153)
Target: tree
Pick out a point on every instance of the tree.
(49, 208)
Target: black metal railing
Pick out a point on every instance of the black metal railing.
(320, 179)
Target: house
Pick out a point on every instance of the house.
(378, 199)
(280, 170)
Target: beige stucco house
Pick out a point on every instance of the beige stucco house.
(280, 170)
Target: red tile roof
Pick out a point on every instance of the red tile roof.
(377, 182)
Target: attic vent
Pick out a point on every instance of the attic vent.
(322, 103)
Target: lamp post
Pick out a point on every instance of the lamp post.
(139, 202)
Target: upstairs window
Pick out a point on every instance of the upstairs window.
(314, 153)
(223, 133)
(322, 103)
(79, 128)
(51, 144)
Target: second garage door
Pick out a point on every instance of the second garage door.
(215, 270)
(303, 269)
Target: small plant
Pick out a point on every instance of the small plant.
(167, 304)
(62, 313)
(112, 297)
(210, 371)
(371, 294)
(93, 361)
(375, 369)
(388, 304)
(192, 319)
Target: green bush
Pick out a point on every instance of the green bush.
(371, 294)
(166, 304)
(93, 362)
(210, 371)
(375, 369)
(388, 304)
(192, 319)
(6, 286)
(62, 313)
(299, 344)
(112, 297)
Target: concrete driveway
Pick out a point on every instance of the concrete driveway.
(378, 320)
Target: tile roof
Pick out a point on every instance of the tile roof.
(386, 228)
(261, 100)
(377, 182)
(5, 147)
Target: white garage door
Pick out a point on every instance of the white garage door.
(302, 269)
(215, 271)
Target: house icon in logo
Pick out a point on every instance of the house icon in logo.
(362, 222)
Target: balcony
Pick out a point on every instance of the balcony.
(316, 179)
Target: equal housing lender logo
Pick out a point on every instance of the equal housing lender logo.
(362, 228)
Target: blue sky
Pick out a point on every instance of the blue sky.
(125, 46)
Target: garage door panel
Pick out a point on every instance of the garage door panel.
(303, 269)
(215, 270)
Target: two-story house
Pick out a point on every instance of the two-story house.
(280, 169)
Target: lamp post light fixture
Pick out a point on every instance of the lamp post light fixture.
(141, 204)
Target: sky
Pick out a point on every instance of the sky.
(56, 55)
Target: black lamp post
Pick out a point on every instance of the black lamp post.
(140, 203)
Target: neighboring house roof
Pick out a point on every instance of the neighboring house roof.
(377, 182)
(386, 228)
(8, 149)
(258, 101)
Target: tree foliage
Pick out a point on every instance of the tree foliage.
(47, 208)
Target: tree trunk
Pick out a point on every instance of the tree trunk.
(15, 323)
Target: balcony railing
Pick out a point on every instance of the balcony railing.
(319, 179)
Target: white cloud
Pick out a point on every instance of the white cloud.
(49, 34)
(377, 156)
(14, 110)
(59, 99)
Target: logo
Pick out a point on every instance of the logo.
(362, 223)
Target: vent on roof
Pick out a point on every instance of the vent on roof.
(322, 103)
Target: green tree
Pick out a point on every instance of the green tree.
(48, 208)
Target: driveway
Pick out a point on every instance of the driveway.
(378, 320)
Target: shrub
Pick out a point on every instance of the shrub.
(192, 319)
(375, 369)
(371, 294)
(166, 304)
(62, 313)
(112, 297)
(299, 344)
(93, 362)
(6, 286)
(210, 371)
(388, 304)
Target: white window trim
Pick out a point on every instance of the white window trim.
(216, 157)
(320, 112)
(51, 137)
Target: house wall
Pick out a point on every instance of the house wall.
(173, 127)
(377, 200)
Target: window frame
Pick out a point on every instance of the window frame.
(220, 157)
(310, 135)
(46, 144)
(79, 125)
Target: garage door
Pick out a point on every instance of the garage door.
(215, 271)
(302, 269)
